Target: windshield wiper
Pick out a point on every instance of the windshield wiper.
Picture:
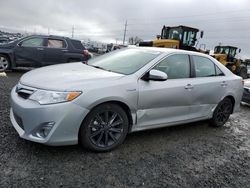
(98, 67)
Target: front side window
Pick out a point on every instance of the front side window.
(204, 67)
(33, 42)
(175, 66)
(54, 43)
(125, 61)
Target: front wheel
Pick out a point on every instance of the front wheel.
(4, 63)
(104, 128)
(222, 113)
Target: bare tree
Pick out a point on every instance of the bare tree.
(134, 40)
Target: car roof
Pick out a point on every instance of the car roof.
(171, 50)
(48, 36)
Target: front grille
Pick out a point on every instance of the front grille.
(18, 120)
(24, 92)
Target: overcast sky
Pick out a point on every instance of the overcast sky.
(224, 21)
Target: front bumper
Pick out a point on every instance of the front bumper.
(246, 95)
(27, 116)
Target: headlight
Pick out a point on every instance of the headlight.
(52, 97)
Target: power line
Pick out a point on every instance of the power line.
(197, 15)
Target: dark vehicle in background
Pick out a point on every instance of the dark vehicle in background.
(41, 50)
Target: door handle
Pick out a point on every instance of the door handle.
(189, 86)
(39, 48)
(64, 50)
(223, 84)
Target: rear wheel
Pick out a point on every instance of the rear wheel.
(243, 72)
(104, 128)
(222, 113)
(4, 63)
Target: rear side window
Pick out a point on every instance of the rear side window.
(55, 43)
(77, 44)
(204, 67)
(33, 42)
(175, 66)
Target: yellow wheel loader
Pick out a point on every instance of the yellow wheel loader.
(179, 37)
(226, 55)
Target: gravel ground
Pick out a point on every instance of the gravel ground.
(192, 155)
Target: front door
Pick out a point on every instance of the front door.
(162, 102)
(29, 52)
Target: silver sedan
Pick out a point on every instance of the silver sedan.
(125, 91)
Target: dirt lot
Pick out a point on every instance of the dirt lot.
(193, 155)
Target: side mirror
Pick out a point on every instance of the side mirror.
(202, 33)
(19, 44)
(158, 36)
(239, 50)
(156, 75)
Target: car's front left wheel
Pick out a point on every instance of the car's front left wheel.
(104, 128)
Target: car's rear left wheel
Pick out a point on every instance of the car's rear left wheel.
(4, 63)
(222, 113)
(104, 128)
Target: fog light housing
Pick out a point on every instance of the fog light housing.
(44, 130)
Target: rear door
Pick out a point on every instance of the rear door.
(54, 51)
(29, 52)
(209, 86)
(167, 101)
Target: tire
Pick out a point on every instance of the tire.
(104, 128)
(4, 63)
(243, 72)
(222, 113)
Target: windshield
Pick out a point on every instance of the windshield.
(221, 50)
(172, 33)
(125, 61)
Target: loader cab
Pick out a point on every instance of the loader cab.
(187, 36)
(229, 51)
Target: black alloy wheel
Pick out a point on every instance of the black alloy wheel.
(222, 113)
(104, 128)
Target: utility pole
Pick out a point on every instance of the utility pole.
(73, 30)
(48, 31)
(125, 31)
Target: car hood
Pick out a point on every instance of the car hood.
(8, 45)
(65, 77)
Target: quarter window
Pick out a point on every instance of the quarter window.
(218, 71)
(33, 42)
(204, 67)
(175, 66)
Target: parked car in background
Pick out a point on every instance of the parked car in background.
(41, 50)
(132, 89)
(246, 93)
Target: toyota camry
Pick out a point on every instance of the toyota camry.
(97, 104)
